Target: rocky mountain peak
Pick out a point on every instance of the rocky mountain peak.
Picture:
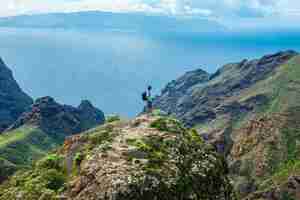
(85, 105)
(55, 118)
(90, 114)
(186, 81)
(177, 89)
(44, 101)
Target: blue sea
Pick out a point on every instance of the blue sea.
(113, 67)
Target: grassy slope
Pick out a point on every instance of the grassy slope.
(283, 88)
(287, 85)
(20, 147)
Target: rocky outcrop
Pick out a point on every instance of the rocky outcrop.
(13, 101)
(90, 115)
(150, 157)
(177, 89)
(54, 118)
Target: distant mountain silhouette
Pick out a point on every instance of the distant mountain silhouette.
(92, 20)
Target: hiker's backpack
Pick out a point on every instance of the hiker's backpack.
(144, 96)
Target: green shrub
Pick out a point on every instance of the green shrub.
(78, 158)
(52, 161)
(39, 183)
(101, 137)
(112, 118)
(54, 179)
(194, 136)
(160, 124)
(167, 124)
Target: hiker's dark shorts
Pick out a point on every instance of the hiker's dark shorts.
(149, 104)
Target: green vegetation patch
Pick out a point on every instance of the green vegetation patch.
(101, 138)
(112, 118)
(25, 144)
(167, 124)
(290, 168)
(22, 146)
(286, 86)
(51, 161)
(48, 177)
(79, 157)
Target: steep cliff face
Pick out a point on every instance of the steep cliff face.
(150, 157)
(13, 101)
(250, 111)
(176, 90)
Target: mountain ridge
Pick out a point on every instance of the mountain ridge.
(253, 70)
(46, 113)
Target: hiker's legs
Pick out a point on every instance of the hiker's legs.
(149, 106)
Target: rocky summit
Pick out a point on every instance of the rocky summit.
(150, 157)
(250, 110)
(13, 101)
(54, 118)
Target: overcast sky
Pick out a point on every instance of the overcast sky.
(248, 13)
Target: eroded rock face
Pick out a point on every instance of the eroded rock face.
(54, 118)
(177, 89)
(13, 101)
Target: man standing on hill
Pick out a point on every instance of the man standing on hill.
(146, 96)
